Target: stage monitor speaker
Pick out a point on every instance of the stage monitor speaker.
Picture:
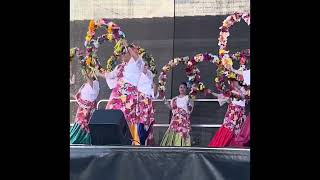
(109, 127)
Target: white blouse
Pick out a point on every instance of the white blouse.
(145, 84)
(246, 77)
(90, 93)
(182, 102)
(111, 78)
(133, 70)
(240, 102)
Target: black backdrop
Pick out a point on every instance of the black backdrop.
(166, 38)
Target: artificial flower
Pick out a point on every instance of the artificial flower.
(88, 61)
(198, 57)
(242, 60)
(231, 75)
(109, 37)
(227, 62)
(91, 26)
(88, 38)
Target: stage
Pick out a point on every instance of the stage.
(155, 163)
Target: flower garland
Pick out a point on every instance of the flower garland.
(163, 74)
(193, 73)
(74, 51)
(117, 49)
(224, 29)
(225, 60)
(113, 34)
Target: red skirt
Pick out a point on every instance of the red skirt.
(222, 138)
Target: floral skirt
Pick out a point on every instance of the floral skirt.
(178, 133)
(230, 128)
(138, 110)
(145, 114)
(124, 97)
(80, 133)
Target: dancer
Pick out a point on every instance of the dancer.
(234, 116)
(72, 77)
(86, 99)
(147, 91)
(178, 133)
(123, 81)
(243, 138)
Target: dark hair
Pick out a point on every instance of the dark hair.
(184, 83)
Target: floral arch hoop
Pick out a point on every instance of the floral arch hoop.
(192, 72)
(89, 61)
(225, 61)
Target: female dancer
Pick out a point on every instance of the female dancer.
(178, 133)
(72, 77)
(147, 91)
(243, 138)
(123, 81)
(86, 99)
(234, 116)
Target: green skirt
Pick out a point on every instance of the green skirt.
(79, 135)
(172, 138)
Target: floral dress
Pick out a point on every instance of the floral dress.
(80, 133)
(178, 133)
(124, 97)
(232, 123)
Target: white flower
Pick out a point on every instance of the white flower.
(96, 44)
(242, 67)
(185, 59)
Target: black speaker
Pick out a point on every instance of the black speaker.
(109, 127)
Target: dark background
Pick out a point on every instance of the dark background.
(166, 38)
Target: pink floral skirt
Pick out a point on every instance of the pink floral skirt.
(84, 112)
(180, 122)
(124, 97)
(145, 114)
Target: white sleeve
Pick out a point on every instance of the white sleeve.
(150, 76)
(95, 85)
(246, 77)
(190, 104)
(111, 78)
(222, 99)
(140, 63)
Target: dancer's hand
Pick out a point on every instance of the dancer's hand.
(194, 87)
(72, 80)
